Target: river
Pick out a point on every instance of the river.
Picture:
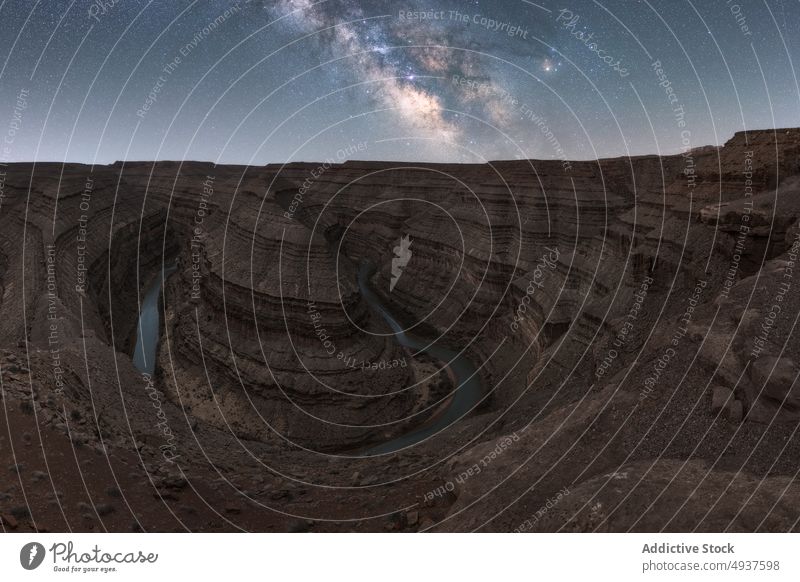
(468, 391)
(467, 395)
(147, 332)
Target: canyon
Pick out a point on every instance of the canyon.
(631, 323)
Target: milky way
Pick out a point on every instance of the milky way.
(259, 81)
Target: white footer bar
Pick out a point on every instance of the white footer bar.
(400, 557)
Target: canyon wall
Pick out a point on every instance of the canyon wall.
(632, 321)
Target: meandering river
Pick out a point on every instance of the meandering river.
(467, 394)
(468, 391)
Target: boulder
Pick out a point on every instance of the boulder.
(720, 398)
(774, 380)
(735, 411)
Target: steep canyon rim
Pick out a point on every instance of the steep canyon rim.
(264, 419)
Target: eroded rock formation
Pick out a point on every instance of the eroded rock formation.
(632, 320)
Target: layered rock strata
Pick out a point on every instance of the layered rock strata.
(633, 322)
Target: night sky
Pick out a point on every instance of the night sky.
(255, 82)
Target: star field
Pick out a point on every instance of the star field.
(457, 81)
